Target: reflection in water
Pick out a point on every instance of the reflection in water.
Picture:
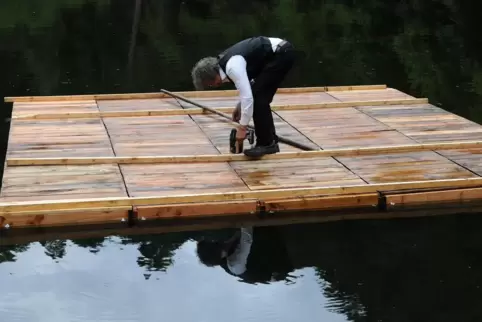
(411, 270)
(397, 270)
(254, 254)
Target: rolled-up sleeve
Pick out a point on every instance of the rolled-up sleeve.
(236, 71)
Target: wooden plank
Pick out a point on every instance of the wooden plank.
(21, 108)
(62, 182)
(376, 94)
(46, 205)
(60, 138)
(279, 99)
(174, 179)
(212, 93)
(189, 210)
(198, 111)
(207, 158)
(341, 152)
(408, 166)
(287, 174)
(468, 158)
(426, 123)
(23, 236)
(322, 203)
(20, 236)
(158, 135)
(218, 131)
(65, 217)
(343, 128)
(430, 197)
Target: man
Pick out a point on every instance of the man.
(254, 255)
(256, 66)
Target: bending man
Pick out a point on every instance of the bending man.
(256, 66)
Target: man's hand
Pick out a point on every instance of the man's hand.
(237, 112)
(241, 132)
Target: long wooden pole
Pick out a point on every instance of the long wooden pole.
(226, 116)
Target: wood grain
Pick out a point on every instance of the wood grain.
(189, 210)
(408, 166)
(21, 109)
(293, 173)
(60, 138)
(65, 218)
(218, 132)
(168, 135)
(352, 120)
(343, 128)
(225, 157)
(154, 104)
(426, 198)
(426, 123)
(467, 158)
(55, 204)
(213, 93)
(377, 94)
(62, 182)
(174, 179)
(322, 203)
(164, 111)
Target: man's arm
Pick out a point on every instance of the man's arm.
(236, 70)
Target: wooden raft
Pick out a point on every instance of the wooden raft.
(93, 159)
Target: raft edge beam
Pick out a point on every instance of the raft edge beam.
(208, 158)
(192, 94)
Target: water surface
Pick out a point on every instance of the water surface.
(409, 270)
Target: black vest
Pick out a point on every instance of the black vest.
(268, 257)
(256, 51)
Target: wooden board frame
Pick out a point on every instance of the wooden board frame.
(200, 111)
(427, 198)
(166, 225)
(362, 197)
(192, 94)
(66, 217)
(49, 205)
(341, 152)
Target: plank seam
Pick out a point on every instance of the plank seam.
(336, 98)
(214, 145)
(307, 137)
(417, 141)
(113, 151)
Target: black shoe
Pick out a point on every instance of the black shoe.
(260, 150)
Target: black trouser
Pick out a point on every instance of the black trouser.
(264, 88)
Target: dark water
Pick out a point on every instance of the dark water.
(410, 270)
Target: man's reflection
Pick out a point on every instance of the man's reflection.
(255, 255)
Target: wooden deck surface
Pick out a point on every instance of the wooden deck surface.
(379, 142)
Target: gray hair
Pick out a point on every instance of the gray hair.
(204, 70)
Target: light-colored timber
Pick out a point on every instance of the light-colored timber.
(97, 203)
(194, 94)
(86, 160)
(241, 157)
(199, 111)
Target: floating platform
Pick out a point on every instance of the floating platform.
(128, 158)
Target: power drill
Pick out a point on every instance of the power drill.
(236, 146)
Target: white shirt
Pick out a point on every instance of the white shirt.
(236, 70)
(236, 262)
